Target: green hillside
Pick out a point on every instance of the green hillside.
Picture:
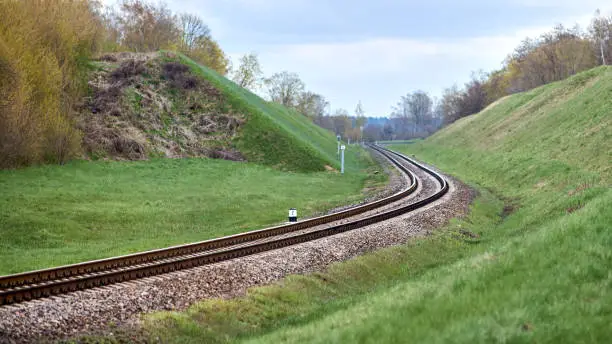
(143, 108)
(566, 123)
(143, 105)
(273, 134)
(536, 267)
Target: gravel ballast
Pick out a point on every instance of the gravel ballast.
(93, 310)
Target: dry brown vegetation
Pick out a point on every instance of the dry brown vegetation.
(146, 105)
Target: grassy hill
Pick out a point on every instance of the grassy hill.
(164, 104)
(537, 267)
(274, 134)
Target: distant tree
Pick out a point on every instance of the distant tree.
(140, 26)
(311, 104)
(360, 120)
(553, 56)
(388, 132)
(248, 73)
(413, 112)
(110, 32)
(285, 88)
(497, 85)
(325, 121)
(208, 52)
(192, 30)
(341, 122)
(450, 104)
(147, 27)
(372, 132)
(474, 98)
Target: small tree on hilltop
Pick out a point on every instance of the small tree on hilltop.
(248, 74)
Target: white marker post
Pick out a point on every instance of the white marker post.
(292, 215)
(342, 148)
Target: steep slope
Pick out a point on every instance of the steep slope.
(273, 134)
(568, 122)
(164, 104)
(532, 263)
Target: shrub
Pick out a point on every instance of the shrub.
(180, 76)
(45, 46)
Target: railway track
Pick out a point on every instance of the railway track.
(64, 279)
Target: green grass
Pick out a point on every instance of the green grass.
(273, 134)
(539, 271)
(52, 215)
(55, 215)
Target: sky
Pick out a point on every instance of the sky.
(375, 51)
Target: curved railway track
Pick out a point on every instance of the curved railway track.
(64, 279)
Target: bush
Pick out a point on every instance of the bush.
(45, 46)
(128, 69)
(180, 76)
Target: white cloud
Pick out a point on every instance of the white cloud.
(380, 69)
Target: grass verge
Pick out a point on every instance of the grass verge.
(55, 215)
(300, 299)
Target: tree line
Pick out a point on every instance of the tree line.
(141, 26)
(286, 88)
(552, 56)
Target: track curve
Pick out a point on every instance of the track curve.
(61, 280)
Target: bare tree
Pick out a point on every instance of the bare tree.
(360, 120)
(311, 104)
(413, 112)
(193, 29)
(601, 31)
(372, 132)
(146, 27)
(248, 74)
(450, 104)
(285, 88)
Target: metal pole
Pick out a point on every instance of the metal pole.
(342, 161)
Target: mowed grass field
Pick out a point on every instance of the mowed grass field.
(536, 267)
(55, 215)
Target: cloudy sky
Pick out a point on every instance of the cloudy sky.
(377, 50)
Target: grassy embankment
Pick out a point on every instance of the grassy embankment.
(273, 134)
(539, 270)
(55, 215)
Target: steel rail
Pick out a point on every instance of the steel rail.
(93, 266)
(48, 287)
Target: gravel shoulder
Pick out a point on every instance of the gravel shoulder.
(93, 311)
